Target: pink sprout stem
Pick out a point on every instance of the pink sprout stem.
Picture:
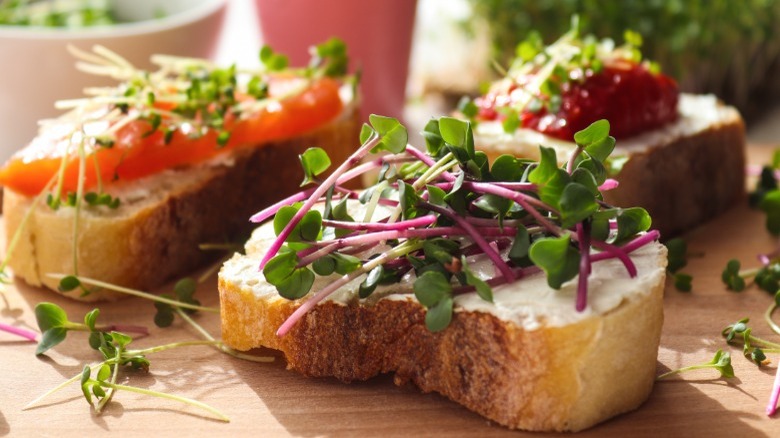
(583, 236)
(771, 408)
(347, 176)
(500, 264)
(378, 236)
(422, 221)
(520, 198)
(618, 253)
(416, 153)
(630, 247)
(319, 191)
(24, 333)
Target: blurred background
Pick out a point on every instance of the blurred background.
(448, 47)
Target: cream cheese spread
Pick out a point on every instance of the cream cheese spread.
(697, 113)
(529, 302)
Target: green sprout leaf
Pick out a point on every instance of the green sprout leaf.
(394, 134)
(721, 362)
(483, 289)
(557, 258)
(518, 252)
(731, 276)
(291, 282)
(432, 287)
(770, 205)
(550, 179)
(314, 161)
(732, 330)
(577, 203)
(593, 134)
(369, 285)
(432, 135)
(630, 222)
(453, 131)
(683, 282)
(506, 168)
(439, 316)
(467, 107)
(69, 283)
(677, 251)
(271, 60)
(307, 229)
(54, 325)
(331, 58)
(511, 122)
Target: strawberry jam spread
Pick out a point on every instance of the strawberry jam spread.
(631, 97)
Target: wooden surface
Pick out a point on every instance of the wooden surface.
(267, 400)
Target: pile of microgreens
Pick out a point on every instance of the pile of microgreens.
(59, 13)
(550, 68)
(112, 343)
(448, 207)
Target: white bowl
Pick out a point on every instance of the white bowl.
(36, 69)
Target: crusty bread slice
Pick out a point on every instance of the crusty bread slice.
(154, 235)
(529, 361)
(683, 174)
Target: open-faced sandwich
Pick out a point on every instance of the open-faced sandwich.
(510, 287)
(680, 156)
(125, 186)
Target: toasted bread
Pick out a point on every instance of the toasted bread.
(527, 363)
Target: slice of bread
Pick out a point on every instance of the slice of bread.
(683, 174)
(529, 361)
(154, 235)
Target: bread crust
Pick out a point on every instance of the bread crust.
(154, 236)
(688, 181)
(551, 379)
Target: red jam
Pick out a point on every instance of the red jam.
(633, 99)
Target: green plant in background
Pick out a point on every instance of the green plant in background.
(729, 48)
(62, 13)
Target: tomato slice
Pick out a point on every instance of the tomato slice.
(138, 152)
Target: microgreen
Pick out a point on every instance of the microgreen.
(54, 325)
(721, 362)
(314, 161)
(731, 276)
(443, 213)
(753, 347)
(99, 384)
(467, 107)
(557, 258)
(770, 204)
(677, 250)
(434, 291)
(330, 58)
(183, 290)
(271, 60)
(97, 199)
(683, 282)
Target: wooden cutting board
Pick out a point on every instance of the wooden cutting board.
(268, 400)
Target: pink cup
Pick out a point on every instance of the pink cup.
(378, 34)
